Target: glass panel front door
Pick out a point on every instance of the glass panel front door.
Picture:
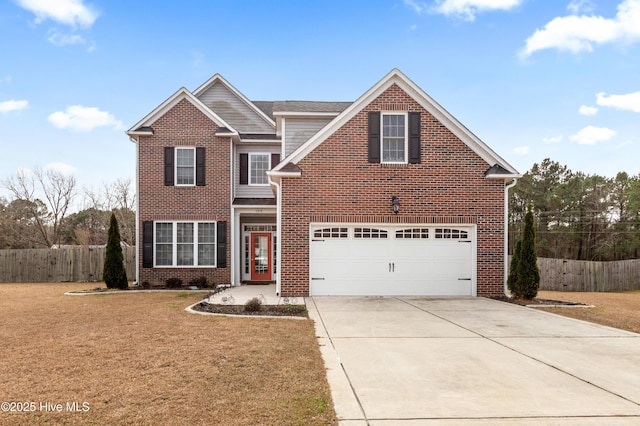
(260, 256)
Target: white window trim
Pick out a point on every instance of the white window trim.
(174, 245)
(175, 165)
(255, 154)
(406, 137)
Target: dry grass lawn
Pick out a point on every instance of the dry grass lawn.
(140, 359)
(620, 310)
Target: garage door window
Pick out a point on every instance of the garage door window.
(449, 233)
(331, 233)
(369, 233)
(412, 233)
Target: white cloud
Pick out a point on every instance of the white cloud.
(69, 12)
(13, 105)
(465, 9)
(591, 135)
(587, 110)
(521, 150)
(80, 118)
(6, 79)
(552, 139)
(580, 6)
(417, 7)
(59, 39)
(579, 33)
(63, 168)
(628, 102)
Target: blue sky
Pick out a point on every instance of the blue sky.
(532, 78)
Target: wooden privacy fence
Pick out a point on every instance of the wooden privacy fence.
(583, 275)
(59, 265)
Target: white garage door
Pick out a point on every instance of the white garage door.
(434, 260)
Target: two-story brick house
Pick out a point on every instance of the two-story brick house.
(386, 195)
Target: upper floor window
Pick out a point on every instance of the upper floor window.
(394, 138)
(259, 165)
(185, 166)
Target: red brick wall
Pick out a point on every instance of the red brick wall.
(184, 125)
(338, 183)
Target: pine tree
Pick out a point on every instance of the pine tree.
(528, 274)
(114, 273)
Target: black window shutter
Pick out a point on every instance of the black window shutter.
(168, 166)
(374, 137)
(275, 160)
(221, 246)
(244, 169)
(414, 137)
(200, 170)
(147, 244)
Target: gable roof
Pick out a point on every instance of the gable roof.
(395, 76)
(143, 127)
(258, 113)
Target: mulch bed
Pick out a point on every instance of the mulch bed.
(265, 310)
(538, 301)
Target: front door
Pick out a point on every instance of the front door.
(260, 256)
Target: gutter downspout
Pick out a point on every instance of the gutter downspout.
(135, 141)
(506, 234)
(278, 233)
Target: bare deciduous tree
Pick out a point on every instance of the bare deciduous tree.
(58, 190)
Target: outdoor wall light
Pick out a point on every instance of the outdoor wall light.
(395, 204)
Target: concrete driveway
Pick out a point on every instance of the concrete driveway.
(416, 360)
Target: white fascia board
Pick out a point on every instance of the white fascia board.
(218, 78)
(504, 176)
(172, 101)
(261, 141)
(139, 133)
(395, 76)
(278, 174)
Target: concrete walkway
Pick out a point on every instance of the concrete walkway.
(439, 361)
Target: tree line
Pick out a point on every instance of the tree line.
(38, 215)
(578, 216)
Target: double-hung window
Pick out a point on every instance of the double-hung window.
(185, 244)
(259, 165)
(185, 166)
(394, 138)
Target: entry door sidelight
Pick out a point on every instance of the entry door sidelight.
(261, 256)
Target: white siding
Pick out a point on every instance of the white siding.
(299, 130)
(235, 112)
(250, 191)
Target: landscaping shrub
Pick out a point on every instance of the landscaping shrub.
(512, 280)
(253, 305)
(173, 283)
(527, 274)
(113, 272)
(200, 282)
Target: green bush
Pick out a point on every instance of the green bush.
(527, 274)
(113, 272)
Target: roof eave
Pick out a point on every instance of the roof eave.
(169, 103)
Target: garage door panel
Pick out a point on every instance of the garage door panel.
(407, 262)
